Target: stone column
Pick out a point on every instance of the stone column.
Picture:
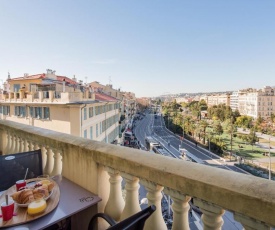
(50, 161)
(180, 208)
(115, 203)
(154, 196)
(132, 197)
(57, 169)
(212, 214)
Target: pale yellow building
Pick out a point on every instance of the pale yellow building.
(216, 99)
(61, 104)
(255, 103)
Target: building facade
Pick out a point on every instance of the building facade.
(257, 103)
(61, 104)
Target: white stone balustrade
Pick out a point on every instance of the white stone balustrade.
(132, 197)
(180, 208)
(115, 204)
(85, 162)
(154, 196)
(212, 215)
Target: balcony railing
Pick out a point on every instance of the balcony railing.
(100, 167)
(44, 96)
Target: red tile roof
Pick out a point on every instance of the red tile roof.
(42, 76)
(68, 80)
(30, 77)
(104, 97)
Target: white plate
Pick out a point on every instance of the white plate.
(26, 205)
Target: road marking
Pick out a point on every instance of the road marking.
(197, 221)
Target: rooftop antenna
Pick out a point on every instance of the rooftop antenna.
(86, 80)
(110, 81)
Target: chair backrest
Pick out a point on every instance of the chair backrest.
(13, 167)
(134, 222)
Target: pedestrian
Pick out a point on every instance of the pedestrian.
(196, 143)
(190, 212)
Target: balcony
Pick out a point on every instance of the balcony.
(44, 97)
(100, 167)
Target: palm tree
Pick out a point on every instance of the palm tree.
(202, 126)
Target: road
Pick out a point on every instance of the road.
(155, 127)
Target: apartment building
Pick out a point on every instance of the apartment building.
(255, 103)
(234, 100)
(216, 99)
(61, 104)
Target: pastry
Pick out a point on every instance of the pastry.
(25, 196)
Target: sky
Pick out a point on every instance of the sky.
(148, 47)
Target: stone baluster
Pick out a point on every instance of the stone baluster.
(36, 146)
(212, 214)
(44, 157)
(20, 148)
(25, 145)
(115, 203)
(8, 143)
(250, 223)
(132, 197)
(50, 161)
(31, 145)
(180, 208)
(14, 144)
(57, 168)
(154, 196)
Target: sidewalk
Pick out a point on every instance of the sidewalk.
(264, 136)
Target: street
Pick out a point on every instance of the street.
(154, 126)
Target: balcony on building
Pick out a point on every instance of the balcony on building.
(100, 168)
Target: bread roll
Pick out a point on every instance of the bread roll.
(41, 190)
(50, 186)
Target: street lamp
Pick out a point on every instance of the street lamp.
(269, 161)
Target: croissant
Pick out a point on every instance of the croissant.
(25, 196)
(15, 196)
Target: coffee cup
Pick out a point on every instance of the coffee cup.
(7, 210)
(20, 184)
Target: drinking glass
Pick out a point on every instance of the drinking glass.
(7, 210)
(20, 184)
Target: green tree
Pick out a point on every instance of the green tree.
(217, 128)
(252, 138)
(244, 121)
(202, 129)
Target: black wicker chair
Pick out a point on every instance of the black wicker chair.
(134, 222)
(13, 167)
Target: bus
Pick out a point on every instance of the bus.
(150, 142)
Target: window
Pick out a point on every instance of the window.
(85, 133)
(6, 110)
(91, 112)
(1, 109)
(20, 111)
(91, 132)
(40, 112)
(85, 114)
(16, 87)
(96, 130)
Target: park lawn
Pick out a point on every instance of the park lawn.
(242, 149)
